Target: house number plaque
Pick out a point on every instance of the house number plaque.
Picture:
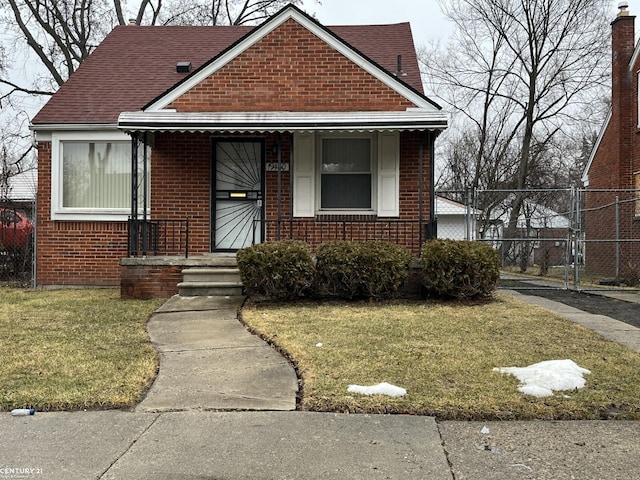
(273, 167)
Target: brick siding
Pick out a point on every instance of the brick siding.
(74, 253)
(290, 69)
(614, 163)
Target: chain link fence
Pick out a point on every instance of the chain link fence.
(16, 242)
(554, 238)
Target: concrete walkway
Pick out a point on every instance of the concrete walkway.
(609, 328)
(209, 362)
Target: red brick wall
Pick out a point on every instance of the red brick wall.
(88, 253)
(290, 70)
(329, 227)
(617, 157)
(142, 282)
(74, 253)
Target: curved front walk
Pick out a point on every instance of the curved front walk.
(209, 361)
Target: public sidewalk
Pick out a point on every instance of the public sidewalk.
(209, 361)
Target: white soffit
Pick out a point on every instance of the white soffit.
(269, 26)
(167, 120)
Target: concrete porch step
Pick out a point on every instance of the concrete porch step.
(211, 274)
(209, 289)
(210, 282)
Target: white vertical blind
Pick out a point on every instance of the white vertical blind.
(96, 174)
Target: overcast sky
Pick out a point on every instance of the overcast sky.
(427, 21)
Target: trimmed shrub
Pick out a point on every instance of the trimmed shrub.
(351, 269)
(282, 270)
(459, 269)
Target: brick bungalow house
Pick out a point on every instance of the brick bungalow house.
(170, 145)
(612, 174)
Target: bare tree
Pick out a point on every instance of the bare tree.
(519, 75)
(58, 35)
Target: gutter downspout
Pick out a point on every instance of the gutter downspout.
(432, 189)
(279, 144)
(420, 192)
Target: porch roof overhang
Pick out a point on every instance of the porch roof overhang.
(252, 122)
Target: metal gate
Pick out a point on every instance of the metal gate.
(566, 238)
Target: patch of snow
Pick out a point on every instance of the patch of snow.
(541, 379)
(379, 389)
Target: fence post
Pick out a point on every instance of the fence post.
(617, 237)
(467, 201)
(571, 238)
(576, 245)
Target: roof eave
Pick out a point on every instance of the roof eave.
(594, 150)
(52, 127)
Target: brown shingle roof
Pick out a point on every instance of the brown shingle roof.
(134, 65)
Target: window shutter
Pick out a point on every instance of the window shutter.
(304, 169)
(388, 174)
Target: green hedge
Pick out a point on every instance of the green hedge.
(351, 269)
(459, 269)
(282, 270)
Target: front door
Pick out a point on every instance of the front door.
(238, 186)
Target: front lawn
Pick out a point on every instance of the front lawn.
(443, 355)
(74, 349)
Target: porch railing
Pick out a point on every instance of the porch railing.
(316, 232)
(158, 237)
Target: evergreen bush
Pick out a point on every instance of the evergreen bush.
(365, 269)
(459, 269)
(281, 270)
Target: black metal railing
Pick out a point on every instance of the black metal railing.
(316, 231)
(158, 237)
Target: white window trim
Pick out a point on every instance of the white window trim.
(373, 137)
(58, 211)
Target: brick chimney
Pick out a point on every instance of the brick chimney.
(622, 45)
(623, 110)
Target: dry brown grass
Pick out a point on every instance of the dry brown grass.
(443, 355)
(74, 349)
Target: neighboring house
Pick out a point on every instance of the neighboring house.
(176, 141)
(612, 174)
(21, 190)
(456, 221)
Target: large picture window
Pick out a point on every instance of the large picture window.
(346, 174)
(91, 176)
(96, 174)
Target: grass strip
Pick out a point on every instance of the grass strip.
(74, 349)
(443, 354)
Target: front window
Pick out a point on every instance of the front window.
(96, 174)
(91, 176)
(346, 174)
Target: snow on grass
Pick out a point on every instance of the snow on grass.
(541, 379)
(379, 389)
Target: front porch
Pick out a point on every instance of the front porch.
(161, 276)
(159, 264)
